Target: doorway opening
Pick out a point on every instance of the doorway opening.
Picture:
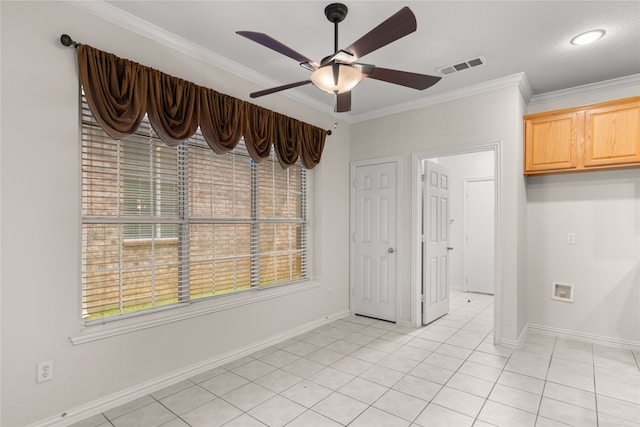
(475, 172)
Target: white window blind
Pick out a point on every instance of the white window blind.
(165, 225)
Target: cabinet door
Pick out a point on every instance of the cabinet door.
(612, 134)
(551, 142)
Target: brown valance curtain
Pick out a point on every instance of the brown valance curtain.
(120, 92)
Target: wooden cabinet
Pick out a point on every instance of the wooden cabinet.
(551, 141)
(612, 134)
(591, 137)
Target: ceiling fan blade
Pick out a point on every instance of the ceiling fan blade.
(403, 78)
(278, 89)
(397, 26)
(274, 44)
(343, 102)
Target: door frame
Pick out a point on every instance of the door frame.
(416, 221)
(352, 227)
(465, 223)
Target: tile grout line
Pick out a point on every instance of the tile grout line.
(544, 385)
(595, 390)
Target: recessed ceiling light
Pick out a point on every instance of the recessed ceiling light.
(588, 37)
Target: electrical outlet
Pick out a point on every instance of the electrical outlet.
(44, 371)
(571, 238)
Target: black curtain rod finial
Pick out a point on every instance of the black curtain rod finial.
(66, 40)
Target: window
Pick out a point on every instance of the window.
(150, 187)
(164, 226)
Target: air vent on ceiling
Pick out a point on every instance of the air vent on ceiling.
(450, 69)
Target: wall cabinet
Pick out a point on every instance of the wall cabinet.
(591, 137)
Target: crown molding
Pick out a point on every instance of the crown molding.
(148, 30)
(525, 88)
(515, 80)
(632, 81)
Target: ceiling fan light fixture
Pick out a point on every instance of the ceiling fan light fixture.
(587, 38)
(348, 78)
(338, 73)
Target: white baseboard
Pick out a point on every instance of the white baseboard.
(97, 406)
(515, 344)
(581, 336)
(574, 335)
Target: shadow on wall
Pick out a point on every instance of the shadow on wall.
(628, 290)
(574, 186)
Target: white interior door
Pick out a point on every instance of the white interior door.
(436, 240)
(479, 237)
(376, 200)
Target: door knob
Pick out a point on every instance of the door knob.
(390, 250)
(449, 248)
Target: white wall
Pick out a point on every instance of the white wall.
(40, 214)
(461, 167)
(489, 117)
(603, 210)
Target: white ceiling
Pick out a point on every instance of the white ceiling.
(530, 37)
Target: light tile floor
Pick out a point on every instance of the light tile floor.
(358, 371)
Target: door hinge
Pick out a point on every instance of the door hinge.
(422, 238)
(423, 298)
(423, 178)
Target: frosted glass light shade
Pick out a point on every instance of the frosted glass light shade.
(348, 78)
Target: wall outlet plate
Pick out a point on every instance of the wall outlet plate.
(44, 371)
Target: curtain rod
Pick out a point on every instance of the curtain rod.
(66, 40)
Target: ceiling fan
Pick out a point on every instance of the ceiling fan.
(339, 73)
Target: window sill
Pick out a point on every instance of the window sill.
(111, 328)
